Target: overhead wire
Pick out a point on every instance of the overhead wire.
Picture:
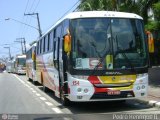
(69, 9)
(30, 6)
(67, 12)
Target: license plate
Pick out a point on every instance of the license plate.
(114, 92)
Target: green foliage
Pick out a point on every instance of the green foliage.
(90, 5)
(154, 24)
(156, 10)
(139, 7)
(151, 26)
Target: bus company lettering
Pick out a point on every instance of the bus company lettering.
(75, 83)
(113, 73)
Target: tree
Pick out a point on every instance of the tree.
(135, 6)
(156, 10)
(90, 5)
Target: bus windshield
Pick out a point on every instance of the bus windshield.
(112, 43)
(22, 61)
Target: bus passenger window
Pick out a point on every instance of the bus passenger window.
(44, 41)
(48, 41)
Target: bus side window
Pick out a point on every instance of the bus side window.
(40, 46)
(57, 34)
(51, 41)
(37, 48)
(44, 42)
(47, 42)
(55, 48)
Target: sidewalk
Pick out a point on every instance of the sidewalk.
(153, 97)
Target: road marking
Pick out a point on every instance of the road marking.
(31, 88)
(22, 82)
(18, 78)
(27, 85)
(43, 98)
(49, 103)
(67, 118)
(38, 94)
(34, 91)
(57, 110)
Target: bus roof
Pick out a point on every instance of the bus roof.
(109, 14)
(21, 56)
(94, 14)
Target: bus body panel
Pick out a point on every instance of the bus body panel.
(47, 74)
(86, 90)
(31, 63)
(30, 71)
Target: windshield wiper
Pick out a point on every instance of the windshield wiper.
(101, 60)
(128, 61)
(125, 56)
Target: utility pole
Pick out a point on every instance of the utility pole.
(9, 52)
(22, 41)
(39, 28)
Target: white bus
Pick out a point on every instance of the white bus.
(20, 64)
(8, 66)
(94, 56)
(31, 63)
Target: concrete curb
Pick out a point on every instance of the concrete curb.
(157, 104)
(152, 103)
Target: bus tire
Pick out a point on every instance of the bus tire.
(34, 82)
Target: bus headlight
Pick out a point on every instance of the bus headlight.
(143, 86)
(79, 89)
(138, 88)
(86, 90)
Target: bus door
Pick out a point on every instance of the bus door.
(56, 60)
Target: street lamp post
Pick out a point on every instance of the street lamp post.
(22, 23)
(9, 52)
(24, 42)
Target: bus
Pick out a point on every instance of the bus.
(13, 68)
(20, 64)
(31, 63)
(94, 56)
(8, 66)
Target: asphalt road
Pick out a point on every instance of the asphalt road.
(21, 99)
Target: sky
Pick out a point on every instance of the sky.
(50, 11)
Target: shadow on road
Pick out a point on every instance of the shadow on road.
(98, 107)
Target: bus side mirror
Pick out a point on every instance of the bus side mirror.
(67, 43)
